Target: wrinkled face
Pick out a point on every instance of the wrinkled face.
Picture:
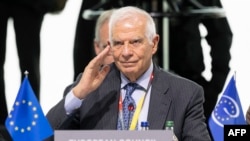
(131, 49)
(103, 42)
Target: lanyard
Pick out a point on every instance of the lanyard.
(138, 109)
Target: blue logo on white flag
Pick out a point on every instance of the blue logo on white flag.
(228, 111)
(26, 120)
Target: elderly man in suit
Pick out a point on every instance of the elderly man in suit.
(96, 100)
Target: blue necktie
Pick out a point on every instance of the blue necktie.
(129, 105)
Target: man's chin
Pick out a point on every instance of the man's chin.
(128, 72)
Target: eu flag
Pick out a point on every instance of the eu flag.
(227, 111)
(26, 121)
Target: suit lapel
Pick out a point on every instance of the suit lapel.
(160, 101)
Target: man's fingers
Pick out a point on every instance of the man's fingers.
(104, 71)
(99, 59)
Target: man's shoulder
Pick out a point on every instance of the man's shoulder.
(175, 80)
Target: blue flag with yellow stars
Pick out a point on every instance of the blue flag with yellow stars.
(26, 120)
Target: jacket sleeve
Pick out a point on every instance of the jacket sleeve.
(194, 126)
(57, 115)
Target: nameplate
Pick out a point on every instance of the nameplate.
(112, 135)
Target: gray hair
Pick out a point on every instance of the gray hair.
(103, 18)
(132, 12)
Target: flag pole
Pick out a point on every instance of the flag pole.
(235, 76)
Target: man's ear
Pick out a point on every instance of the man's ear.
(155, 43)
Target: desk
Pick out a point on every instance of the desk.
(112, 135)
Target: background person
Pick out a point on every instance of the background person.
(186, 53)
(102, 34)
(248, 115)
(27, 19)
(84, 33)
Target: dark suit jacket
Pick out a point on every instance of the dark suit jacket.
(172, 98)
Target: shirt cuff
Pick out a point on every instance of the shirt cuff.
(72, 103)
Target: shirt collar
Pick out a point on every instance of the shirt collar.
(142, 81)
